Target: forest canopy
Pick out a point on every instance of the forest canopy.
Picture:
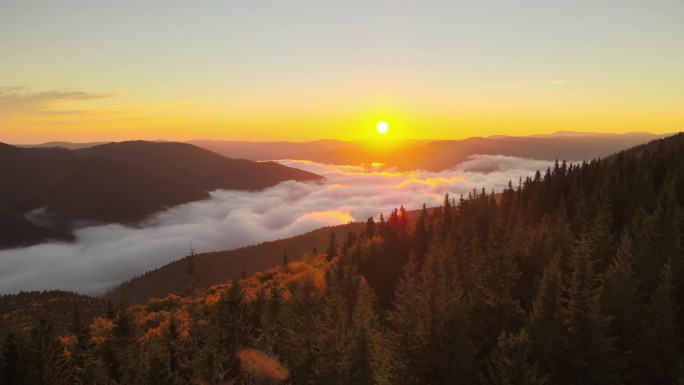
(572, 276)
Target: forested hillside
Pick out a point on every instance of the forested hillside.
(20, 311)
(573, 276)
(220, 266)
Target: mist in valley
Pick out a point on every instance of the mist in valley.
(104, 255)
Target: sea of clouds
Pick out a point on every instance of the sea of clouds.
(104, 255)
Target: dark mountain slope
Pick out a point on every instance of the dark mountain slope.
(115, 183)
(17, 231)
(28, 176)
(109, 191)
(198, 167)
(271, 150)
(72, 187)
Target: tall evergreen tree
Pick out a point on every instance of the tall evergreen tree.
(511, 363)
(403, 319)
(659, 360)
(589, 354)
(601, 234)
(546, 328)
(45, 360)
(9, 361)
(443, 326)
(620, 301)
(421, 234)
(365, 356)
(332, 336)
(332, 251)
(494, 308)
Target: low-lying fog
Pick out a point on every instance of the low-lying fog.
(105, 255)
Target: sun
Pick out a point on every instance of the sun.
(382, 127)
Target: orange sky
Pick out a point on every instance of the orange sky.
(109, 71)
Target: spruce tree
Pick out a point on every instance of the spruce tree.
(332, 251)
(659, 360)
(620, 301)
(601, 234)
(546, 329)
(332, 334)
(589, 355)
(405, 346)
(511, 363)
(494, 308)
(446, 350)
(9, 360)
(364, 355)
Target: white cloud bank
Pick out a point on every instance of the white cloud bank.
(105, 255)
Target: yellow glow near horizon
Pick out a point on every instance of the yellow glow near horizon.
(247, 71)
(382, 127)
(31, 116)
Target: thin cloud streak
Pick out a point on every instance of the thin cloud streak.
(105, 255)
(20, 101)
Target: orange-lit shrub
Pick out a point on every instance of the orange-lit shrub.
(261, 367)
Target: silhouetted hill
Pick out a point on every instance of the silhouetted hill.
(106, 190)
(71, 187)
(271, 150)
(28, 176)
(67, 145)
(198, 167)
(115, 183)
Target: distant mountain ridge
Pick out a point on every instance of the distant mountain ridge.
(116, 183)
(67, 145)
(437, 155)
(441, 155)
(580, 134)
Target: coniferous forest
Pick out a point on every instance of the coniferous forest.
(572, 276)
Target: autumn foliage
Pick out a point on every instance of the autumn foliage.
(573, 276)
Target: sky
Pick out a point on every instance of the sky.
(105, 255)
(93, 70)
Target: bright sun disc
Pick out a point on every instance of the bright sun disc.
(382, 127)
